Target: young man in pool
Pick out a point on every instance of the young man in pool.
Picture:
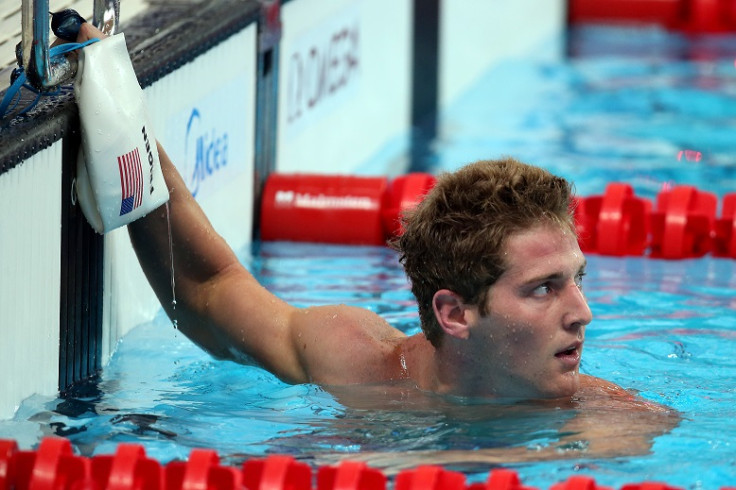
(494, 263)
(495, 266)
(497, 272)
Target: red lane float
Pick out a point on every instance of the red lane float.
(682, 223)
(201, 472)
(724, 240)
(665, 12)
(649, 486)
(320, 208)
(688, 15)
(429, 477)
(276, 472)
(7, 450)
(616, 223)
(337, 209)
(127, 468)
(350, 475)
(500, 479)
(54, 466)
(578, 483)
(403, 193)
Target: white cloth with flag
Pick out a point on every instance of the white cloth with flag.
(119, 175)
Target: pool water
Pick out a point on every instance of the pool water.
(621, 108)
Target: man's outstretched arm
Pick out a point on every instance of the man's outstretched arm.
(219, 305)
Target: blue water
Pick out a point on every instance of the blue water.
(620, 109)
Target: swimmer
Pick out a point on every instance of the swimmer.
(494, 263)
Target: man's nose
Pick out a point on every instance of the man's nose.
(577, 311)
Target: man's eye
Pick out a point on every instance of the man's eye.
(542, 290)
(579, 280)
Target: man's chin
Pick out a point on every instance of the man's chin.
(567, 386)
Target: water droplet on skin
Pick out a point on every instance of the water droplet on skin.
(171, 258)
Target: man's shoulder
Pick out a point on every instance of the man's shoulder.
(346, 345)
(597, 392)
(605, 386)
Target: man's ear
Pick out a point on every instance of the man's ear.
(449, 309)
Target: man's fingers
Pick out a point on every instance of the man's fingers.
(88, 31)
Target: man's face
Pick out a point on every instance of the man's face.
(532, 338)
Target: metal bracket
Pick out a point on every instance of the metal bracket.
(44, 72)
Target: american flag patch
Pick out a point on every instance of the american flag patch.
(131, 181)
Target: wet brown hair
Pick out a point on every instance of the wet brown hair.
(455, 238)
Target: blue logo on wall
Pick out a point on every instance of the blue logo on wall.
(206, 147)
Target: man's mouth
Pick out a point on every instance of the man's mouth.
(571, 353)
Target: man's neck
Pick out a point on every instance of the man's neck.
(444, 369)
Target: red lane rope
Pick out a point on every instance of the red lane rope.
(54, 467)
(694, 16)
(682, 223)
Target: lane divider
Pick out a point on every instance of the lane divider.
(680, 224)
(694, 16)
(616, 223)
(337, 208)
(724, 240)
(54, 466)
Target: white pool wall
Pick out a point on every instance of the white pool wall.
(30, 268)
(331, 124)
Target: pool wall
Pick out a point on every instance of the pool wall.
(235, 90)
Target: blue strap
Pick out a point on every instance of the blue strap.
(13, 91)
